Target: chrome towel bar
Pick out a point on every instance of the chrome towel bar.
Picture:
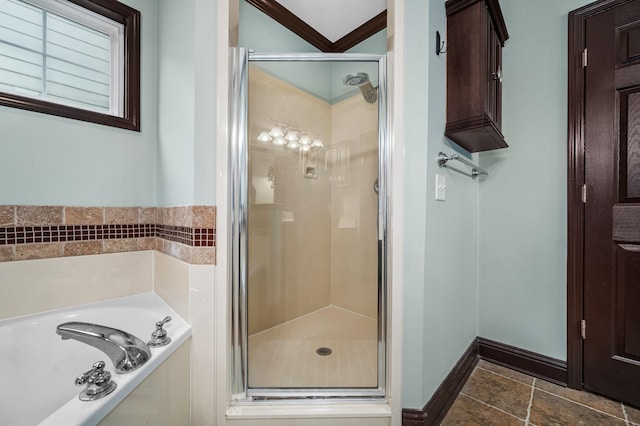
(475, 170)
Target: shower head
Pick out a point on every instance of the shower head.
(356, 79)
(361, 79)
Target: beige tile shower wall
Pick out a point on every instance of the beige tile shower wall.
(352, 162)
(289, 224)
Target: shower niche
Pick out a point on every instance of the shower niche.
(310, 261)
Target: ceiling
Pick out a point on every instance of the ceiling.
(335, 18)
(329, 25)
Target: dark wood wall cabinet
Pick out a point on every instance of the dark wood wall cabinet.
(476, 33)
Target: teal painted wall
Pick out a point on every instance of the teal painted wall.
(49, 160)
(176, 103)
(205, 103)
(522, 216)
(187, 103)
(206, 62)
(259, 32)
(262, 34)
(440, 283)
(415, 206)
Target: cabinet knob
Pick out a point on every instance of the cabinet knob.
(497, 75)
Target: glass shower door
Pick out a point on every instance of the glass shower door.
(313, 291)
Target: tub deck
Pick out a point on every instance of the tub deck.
(38, 368)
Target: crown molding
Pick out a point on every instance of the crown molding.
(285, 17)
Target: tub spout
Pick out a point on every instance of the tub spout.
(125, 350)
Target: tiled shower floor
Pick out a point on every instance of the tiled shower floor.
(285, 355)
(495, 395)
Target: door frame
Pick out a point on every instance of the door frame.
(237, 243)
(575, 179)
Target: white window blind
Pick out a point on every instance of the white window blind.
(59, 52)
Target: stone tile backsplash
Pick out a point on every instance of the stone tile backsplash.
(40, 232)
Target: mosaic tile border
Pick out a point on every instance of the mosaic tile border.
(41, 232)
(196, 237)
(66, 233)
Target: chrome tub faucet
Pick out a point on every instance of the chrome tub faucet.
(125, 350)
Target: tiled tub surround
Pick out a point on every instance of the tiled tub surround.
(34, 286)
(40, 232)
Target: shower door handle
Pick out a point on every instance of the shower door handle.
(376, 186)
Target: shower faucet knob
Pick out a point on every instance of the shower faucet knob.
(159, 336)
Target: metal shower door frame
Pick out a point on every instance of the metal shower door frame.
(238, 241)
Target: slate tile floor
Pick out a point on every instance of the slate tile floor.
(494, 395)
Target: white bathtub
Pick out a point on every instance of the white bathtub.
(38, 368)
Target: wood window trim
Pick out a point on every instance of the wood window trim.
(130, 18)
(575, 181)
(282, 15)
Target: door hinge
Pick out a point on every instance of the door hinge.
(584, 193)
(584, 57)
(583, 329)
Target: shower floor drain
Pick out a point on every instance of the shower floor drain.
(324, 351)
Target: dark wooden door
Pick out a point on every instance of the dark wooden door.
(612, 209)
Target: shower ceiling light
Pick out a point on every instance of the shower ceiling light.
(291, 136)
(276, 132)
(305, 140)
(282, 134)
(264, 137)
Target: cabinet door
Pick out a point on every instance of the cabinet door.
(494, 76)
(498, 80)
